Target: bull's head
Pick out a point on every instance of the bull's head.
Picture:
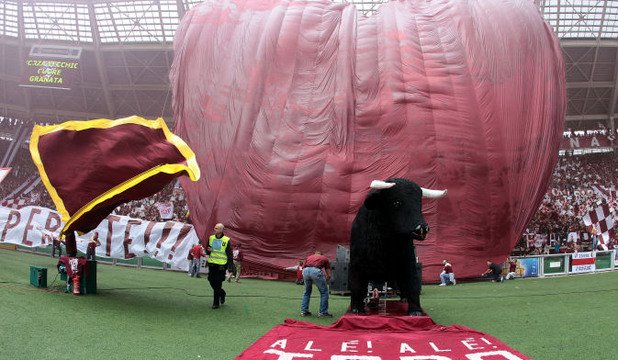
(400, 205)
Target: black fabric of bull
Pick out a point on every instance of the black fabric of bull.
(381, 244)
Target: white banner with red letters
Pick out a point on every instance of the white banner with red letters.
(583, 262)
(121, 237)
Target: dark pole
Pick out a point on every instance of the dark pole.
(71, 244)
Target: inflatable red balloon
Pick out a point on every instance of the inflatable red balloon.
(293, 108)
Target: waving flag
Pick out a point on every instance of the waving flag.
(91, 167)
(602, 218)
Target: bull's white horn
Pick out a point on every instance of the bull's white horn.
(433, 194)
(379, 184)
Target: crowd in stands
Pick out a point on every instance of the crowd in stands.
(149, 208)
(579, 185)
(602, 130)
(22, 168)
(9, 125)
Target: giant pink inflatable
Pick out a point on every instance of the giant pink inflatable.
(294, 107)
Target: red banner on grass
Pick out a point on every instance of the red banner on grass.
(377, 338)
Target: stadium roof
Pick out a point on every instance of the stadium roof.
(126, 54)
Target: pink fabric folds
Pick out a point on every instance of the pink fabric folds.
(293, 108)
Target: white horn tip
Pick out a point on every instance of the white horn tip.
(434, 194)
(379, 184)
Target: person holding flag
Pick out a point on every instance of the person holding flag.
(595, 237)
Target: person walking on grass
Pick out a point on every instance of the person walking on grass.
(219, 261)
(316, 270)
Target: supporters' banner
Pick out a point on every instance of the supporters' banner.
(121, 237)
(91, 167)
(583, 262)
(602, 219)
(377, 338)
(166, 210)
(3, 173)
(582, 142)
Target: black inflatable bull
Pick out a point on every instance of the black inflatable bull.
(381, 247)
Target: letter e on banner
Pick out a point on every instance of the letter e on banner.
(110, 231)
(471, 344)
(29, 226)
(349, 346)
(127, 238)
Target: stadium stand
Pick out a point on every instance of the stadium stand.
(580, 183)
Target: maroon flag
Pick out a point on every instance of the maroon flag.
(91, 167)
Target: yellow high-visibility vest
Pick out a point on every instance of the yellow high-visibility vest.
(218, 246)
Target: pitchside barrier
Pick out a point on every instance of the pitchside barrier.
(565, 264)
(135, 262)
(527, 266)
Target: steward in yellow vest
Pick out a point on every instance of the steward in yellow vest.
(220, 260)
(218, 250)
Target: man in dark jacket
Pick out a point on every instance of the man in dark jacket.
(494, 272)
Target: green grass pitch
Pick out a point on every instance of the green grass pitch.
(153, 314)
